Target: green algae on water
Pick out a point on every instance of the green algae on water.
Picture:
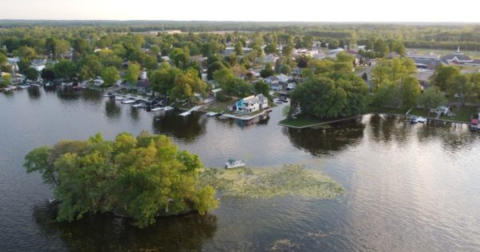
(290, 180)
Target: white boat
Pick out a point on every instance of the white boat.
(67, 84)
(128, 101)
(138, 105)
(108, 95)
(232, 163)
(167, 108)
(156, 109)
(185, 113)
(119, 97)
(418, 119)
(51, 200)
(212, 114)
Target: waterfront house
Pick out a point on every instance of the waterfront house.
(251, 104)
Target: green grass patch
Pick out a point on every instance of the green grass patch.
(463, 115)
(418, 112)
(291, 180)
(218, 106)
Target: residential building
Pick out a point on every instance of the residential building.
(251, 104)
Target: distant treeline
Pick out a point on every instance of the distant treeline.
(434, 36)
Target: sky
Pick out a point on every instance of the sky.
(244, 10)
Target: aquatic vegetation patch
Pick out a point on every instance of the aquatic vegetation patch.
(290, 180)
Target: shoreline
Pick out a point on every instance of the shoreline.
(353, 117)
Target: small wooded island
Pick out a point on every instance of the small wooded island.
(139, 177)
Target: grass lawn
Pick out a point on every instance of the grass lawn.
(219, 106)
(419, 112)
(464, 114)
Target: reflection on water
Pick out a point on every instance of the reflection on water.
(326, 141)
(185, 128)
(112, 109)
(33, 93)
(134, 113)
(109, 233)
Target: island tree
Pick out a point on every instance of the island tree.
(141, 178)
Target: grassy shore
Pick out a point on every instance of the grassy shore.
(461, 115)
(310, 122)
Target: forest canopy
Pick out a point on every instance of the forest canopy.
(139, 177)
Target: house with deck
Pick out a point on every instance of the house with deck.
(251, 104)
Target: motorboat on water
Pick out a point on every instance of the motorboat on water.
(418, 119)
(232, 163)
(128, 101)
(168, 108)
(185, 113)
(212, 114)
(156, 109)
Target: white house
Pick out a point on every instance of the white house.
(252, 104)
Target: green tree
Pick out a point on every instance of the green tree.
(239, 48)
(381, 48)
(445, 76)
(394, 70)
(65, 69)
(267, 71)
(261, 87)
(431, 98)
(223, 76)
(133, 72)
(270, 48)
(398, 47)
(26, 53)
(331, 96)
(31, 74)
(213, 67)
(187, 84)
(3, 59)
(151, 62)
(141, 178)
(5, 80)
(109, 58)
(286, 69)
(110, 75)
(163, 80)
(90, 67)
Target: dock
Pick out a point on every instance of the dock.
(186, 113)
(247, 117)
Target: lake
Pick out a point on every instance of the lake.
(409, 187)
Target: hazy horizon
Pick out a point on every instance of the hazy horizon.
(348, 11)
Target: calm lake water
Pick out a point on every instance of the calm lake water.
(409, 187)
